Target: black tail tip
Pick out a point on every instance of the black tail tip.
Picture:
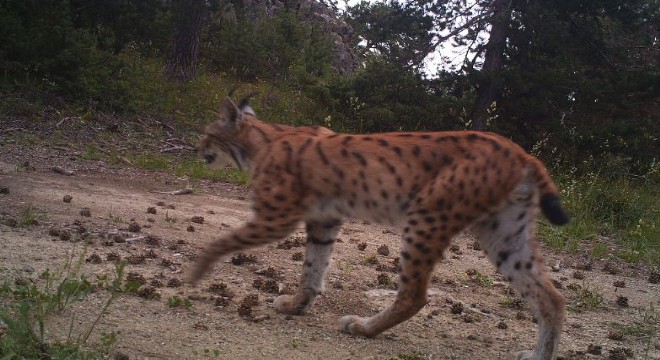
(552, 209)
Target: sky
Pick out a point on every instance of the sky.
(435, 61)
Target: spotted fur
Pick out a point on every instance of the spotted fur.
(434, 184)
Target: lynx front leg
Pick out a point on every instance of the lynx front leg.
(254, 233)
(275, 217)
(321, 236)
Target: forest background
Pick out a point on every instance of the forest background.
(573, 82)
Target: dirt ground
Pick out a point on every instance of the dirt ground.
(471, 314)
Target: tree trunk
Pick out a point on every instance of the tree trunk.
(183, 58)
(489, 82)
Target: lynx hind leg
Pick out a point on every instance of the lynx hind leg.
(425, 238)
(508, 239)
(321, 236)
(410, 298)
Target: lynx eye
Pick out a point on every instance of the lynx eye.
(210, 158)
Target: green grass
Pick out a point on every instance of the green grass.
(186, 166)
(26, 308)
(600, 250)
(170, 219)
(207, 353)
(569, 237)
(115, 218)
(415, 355)
(176, 301)
(295, 343)
(151, 161)
(513, 303)
(587, 298)
(646, 327)
(193, 104)
(31, 216)
(369, 260)
(482, 279)
(636, 330)
(474, 276)
(26, 138)
(18, 105)
(649, 326)
(196, 169)
(91, 153)
(650, 315)
(619, 209)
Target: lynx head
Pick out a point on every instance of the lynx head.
(220, 144)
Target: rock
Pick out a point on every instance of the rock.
(322, 17)
(594, 349)
(134, 227)
(383, 250)
(556, 267)
(654, 277)
(3, 329)
(622, 301)
(121, 356)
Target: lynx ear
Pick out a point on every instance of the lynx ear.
(247, 109)
(244, 105)
(230, 112)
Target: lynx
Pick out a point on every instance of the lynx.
(434, 184)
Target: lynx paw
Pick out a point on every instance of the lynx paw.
(354, 325)
(199, 269)
(525, 355)
(290, 305)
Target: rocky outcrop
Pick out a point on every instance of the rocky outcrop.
(319, 14)
(343, 36)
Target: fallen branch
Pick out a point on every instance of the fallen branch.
(431, 292)
(477, 311)
(66, 118)
(125, 160)
(122, 158)
(137, 238)
(176, 148)
(174, 144)
(175, 192)
(108, 152)
(62, 171)
(11, 129)
(164, 124)
(60, 148)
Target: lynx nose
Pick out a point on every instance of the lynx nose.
(209, 158)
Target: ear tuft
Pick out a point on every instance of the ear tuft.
(232, 91)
